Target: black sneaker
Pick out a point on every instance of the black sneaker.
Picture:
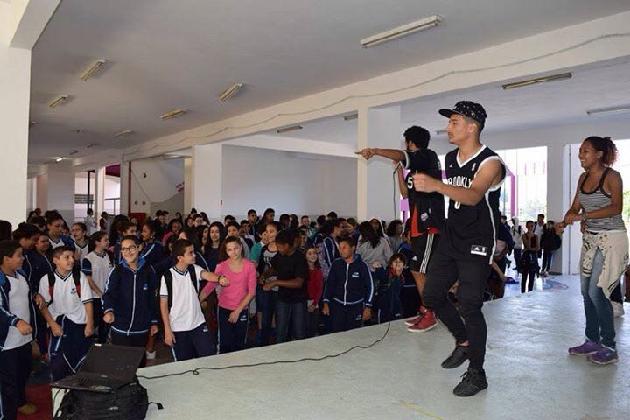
(459, 356)
(473, 381)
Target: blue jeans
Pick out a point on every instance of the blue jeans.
(597, 308)
(290, 315)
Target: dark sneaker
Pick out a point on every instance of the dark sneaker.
(457, 357)
(473, 381)
(589, 347)
(605, 356)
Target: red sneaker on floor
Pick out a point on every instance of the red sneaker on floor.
(427, 323)
(413, 321)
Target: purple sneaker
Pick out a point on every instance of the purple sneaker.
(605, 356)
(589, 347)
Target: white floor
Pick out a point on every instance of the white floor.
(530, 374)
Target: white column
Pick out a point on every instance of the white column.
(15, 81)
(188, 185)
(124, 188)
(207, 179)
(60, 189)
(559, 197)
(375, 183)
(99, 190)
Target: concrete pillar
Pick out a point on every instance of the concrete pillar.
(60, 189)
(124, 187)
(376, 188)
(99, 190)
(188, 183)
(15, 81)
(207, 180)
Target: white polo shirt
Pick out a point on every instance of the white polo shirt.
(185, 313)
(99, 267)
(83, 251)
(65, 300)
(19, 304)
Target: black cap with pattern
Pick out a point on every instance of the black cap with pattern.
(468, 109)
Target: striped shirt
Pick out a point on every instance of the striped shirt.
(598, 199)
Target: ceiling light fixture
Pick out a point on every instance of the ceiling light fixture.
(89, 146)
(290, 128)
(440, 132)
(74, 152)
(94, 69)
(124, 133)
(401, 31)
(59, 159)
(60, 100)
(609, 110)
(230, 92)
(543, 79)
(350, 117)
(173, 114)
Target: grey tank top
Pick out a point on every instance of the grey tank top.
(598, 199)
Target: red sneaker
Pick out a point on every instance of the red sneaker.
(413, 321)
(427, 323)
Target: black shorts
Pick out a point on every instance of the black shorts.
(423, 248)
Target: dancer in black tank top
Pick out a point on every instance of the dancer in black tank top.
(474, 175)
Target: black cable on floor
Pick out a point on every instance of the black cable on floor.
(196, 371)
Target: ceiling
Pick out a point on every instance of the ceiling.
(561, 102)
(164, 54)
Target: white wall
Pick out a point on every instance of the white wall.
(288, 182)
(15, 84)
(155, 181)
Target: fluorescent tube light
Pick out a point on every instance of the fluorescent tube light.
(230, 92)
(290, 128)
(440, 132)
(401, 31)
(59, 159)
(94, 69)
(543, 79)
(173, 114)
(60, 100)
(609, 110)
(350, 117)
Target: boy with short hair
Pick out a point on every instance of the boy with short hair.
(290, 268)
(129, 301)
(96, 266)
(65, 301)
(16, 314)
(349, 289)
(185, 329)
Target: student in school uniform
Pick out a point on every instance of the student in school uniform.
(16, 333)
(65, 301)
(349, 289)
(79, 231)
(291, 271)
(129, 301)
(54, 225)
(38, 263)
(126, 229)
(185, 329)
(152, 251)
(233, 314)
(97, 266)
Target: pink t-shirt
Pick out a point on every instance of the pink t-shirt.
(240, 285)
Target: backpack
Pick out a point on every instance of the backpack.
(76, 276)
(168, 280)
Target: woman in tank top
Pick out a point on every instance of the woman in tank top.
(597, 206)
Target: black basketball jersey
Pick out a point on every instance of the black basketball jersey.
(471, 230)
(429, 207)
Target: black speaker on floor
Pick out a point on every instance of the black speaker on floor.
(106, 386)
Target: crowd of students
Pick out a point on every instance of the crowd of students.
(193, 282)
